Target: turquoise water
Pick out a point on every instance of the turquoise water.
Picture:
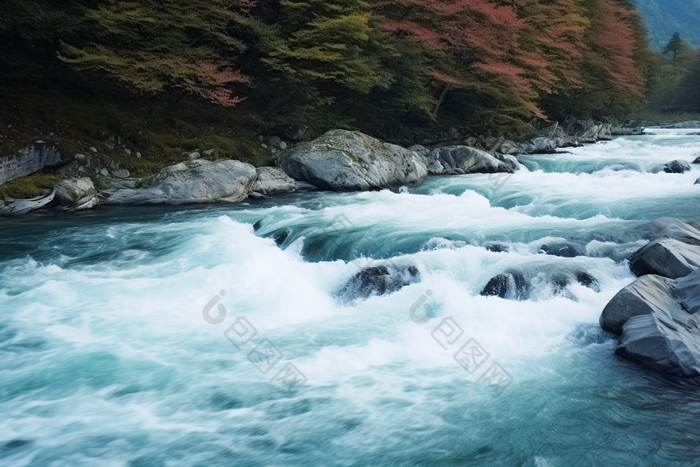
(106, 357)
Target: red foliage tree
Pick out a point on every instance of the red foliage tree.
(474, 43)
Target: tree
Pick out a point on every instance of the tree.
(153, 46)
(323, 41)
(674, 46)
(472, 44)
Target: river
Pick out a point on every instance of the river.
(149, 337)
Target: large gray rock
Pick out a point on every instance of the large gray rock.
(467, 160)
(687, 292)
(667, 257)
(19, 208)
(32, 159)
(272, 180)
(540, 145)
(661, 344)
(657, 322)
(199, 181)
(76, 193)
(647, 295)
(351, 161)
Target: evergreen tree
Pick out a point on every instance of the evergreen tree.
(675, 44)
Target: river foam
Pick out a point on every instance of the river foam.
(106, 357)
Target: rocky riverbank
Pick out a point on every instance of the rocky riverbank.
(339, 160)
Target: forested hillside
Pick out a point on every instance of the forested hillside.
(165, 74)
(665, 17)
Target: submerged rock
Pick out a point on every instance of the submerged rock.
(511, 285)
(378, 280)
(674, 167)
(496, 247)
(199, 181)
(565, 250)
(351, 161)
(587, 280)
(271, 180)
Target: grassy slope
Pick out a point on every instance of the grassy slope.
(162, 132)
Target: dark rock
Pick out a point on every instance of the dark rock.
(496, 247)
(565, 250)
(676, 167)
(661, 344)
(509, 285)
(378, 280)
(294, 133)
(667, 257)
(687, 292)
(281, 237)
(587, 280)
(696, 160)
(647, 295)
(697, 181)
(257, 225)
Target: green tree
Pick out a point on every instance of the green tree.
(674, 46)
(324, 41)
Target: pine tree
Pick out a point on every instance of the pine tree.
(675, 44)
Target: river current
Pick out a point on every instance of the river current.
(214, 335)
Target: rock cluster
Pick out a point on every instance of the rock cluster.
(655, 316)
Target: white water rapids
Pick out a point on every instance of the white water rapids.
(106, 358)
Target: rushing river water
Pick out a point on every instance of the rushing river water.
(106, 358)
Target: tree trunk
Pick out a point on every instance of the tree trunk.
(440, 101)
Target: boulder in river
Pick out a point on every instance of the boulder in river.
(565, 250)
(661, 344)
(666, 257)
(199, 181)
(510, 285)
(378, 280)
(31, 159)
(467, 160)
(343, 160)
(272, 180)
(674, 167)
(656, 320)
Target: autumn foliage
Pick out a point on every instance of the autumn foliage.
(504, 62)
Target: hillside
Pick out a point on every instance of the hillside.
(664, 17)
